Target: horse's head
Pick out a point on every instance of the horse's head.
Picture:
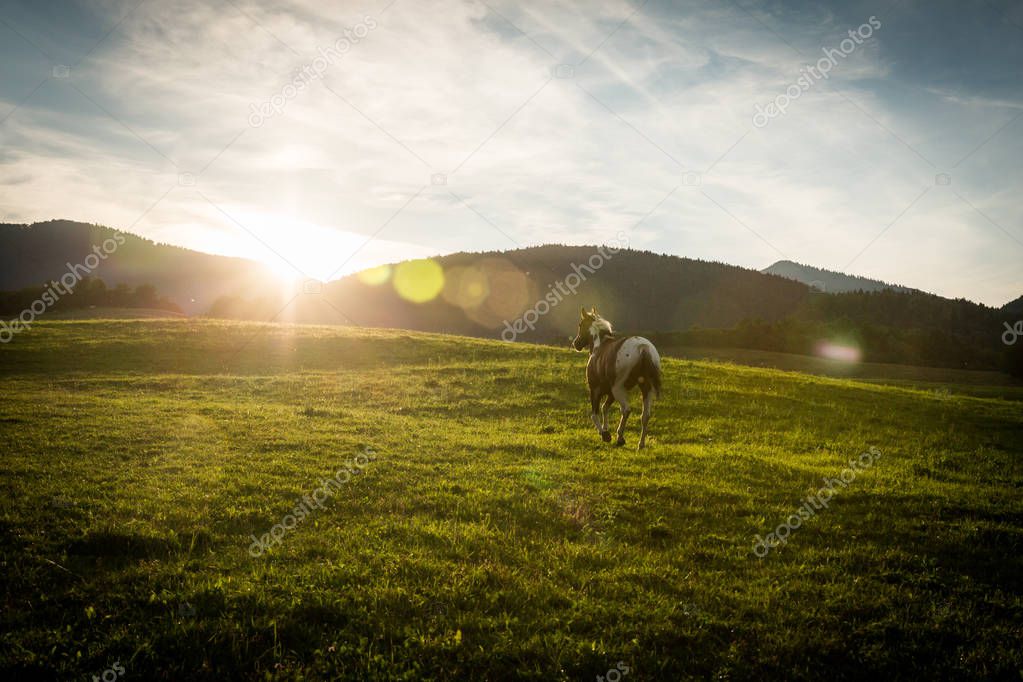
(584, 339)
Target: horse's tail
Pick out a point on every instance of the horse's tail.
(650, 370)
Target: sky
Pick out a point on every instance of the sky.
(322, 138)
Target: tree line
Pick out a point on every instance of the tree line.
(90, 292)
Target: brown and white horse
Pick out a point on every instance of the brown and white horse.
(616, 365)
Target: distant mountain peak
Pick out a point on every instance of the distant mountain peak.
(829, 281)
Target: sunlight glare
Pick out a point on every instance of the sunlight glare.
(375, 276)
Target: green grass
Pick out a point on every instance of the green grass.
(494, 536)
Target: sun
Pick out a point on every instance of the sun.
(295, 249)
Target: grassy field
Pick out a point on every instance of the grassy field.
(486, 532)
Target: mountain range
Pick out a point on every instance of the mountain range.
(534, 294)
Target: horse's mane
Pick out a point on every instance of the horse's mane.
(602, 326)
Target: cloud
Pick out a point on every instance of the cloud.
(466, 90)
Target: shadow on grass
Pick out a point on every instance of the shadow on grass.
(110, 544)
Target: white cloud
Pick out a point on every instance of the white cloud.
(443, 77)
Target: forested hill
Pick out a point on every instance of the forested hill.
(633, 288)
(1014, 307)
(480, 294)
(31, 255)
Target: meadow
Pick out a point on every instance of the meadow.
(492, 536)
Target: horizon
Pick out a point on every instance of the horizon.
(490, 127)
(298, 281)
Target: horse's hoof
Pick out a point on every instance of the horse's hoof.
(620, 442)
(605, 436)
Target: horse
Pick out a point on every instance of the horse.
(616, 365)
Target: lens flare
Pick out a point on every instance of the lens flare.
(508, 293)
(466, 287)
(510, 290)
(840, 352)
(419, 281)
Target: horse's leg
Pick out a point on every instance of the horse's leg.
(622, 396)
(647, 401)
(605, 433)
(595, 409)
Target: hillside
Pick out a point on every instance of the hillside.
(641, 289)
(828, 281)
(881, 326)
(636, 289)
(486, 532)
(33, 254)
(704, 304)
(1014, 307)
(485, 294)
